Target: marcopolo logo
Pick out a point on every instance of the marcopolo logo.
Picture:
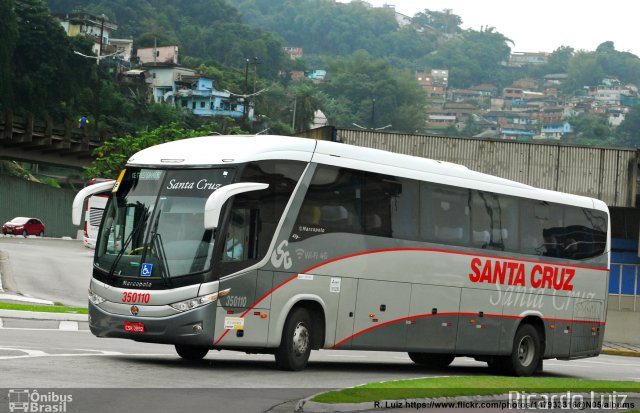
(280, 257)
(25, 400)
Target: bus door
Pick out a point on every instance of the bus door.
(434, 327)
(586, 331)
(480, 322)
(381, 311)
(347, 288)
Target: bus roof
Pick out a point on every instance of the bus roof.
(236, 149)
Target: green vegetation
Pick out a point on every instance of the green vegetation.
(468, 386)
(368, 56)
(44, 308)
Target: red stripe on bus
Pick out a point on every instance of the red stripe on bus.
(366, 330)
(358, 254)
(458, 253)
(258, 302)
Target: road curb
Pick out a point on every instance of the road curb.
(628, 353)
(39, 315)
(7, 282)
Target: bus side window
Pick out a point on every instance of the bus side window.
(333, 203)
(445, 215)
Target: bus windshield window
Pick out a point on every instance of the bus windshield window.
(154, 226)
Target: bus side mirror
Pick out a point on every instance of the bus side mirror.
(76, 208)
(216, 200)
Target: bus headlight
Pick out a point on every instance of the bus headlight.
(199, 301)
(95, 298)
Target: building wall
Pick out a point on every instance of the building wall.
(606, 174)
(25, 200)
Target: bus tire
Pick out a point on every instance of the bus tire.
(525, 353)
(434, 361)
(191, 353)
(295, 346)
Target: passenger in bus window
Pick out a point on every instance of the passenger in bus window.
(234, 246)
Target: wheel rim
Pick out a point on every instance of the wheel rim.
(526, 351)
(300, 339)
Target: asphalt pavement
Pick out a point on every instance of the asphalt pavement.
(79, 322)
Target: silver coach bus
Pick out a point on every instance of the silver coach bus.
(283, 245)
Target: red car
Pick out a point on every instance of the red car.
(25, 226)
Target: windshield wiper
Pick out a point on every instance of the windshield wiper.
(157, 243)
(132, 234)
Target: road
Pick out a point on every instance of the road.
(50, 268)
(38, 357)
(111, 375)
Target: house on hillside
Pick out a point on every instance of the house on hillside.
(556, 130)
(520, 59)
(197, 94)
(95, 28)
(434, 82)
(158, 56)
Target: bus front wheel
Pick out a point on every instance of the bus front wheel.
(434, 361)
(191, 353)
(295, 346)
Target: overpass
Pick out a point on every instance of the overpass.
(25, 138)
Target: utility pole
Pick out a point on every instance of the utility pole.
(98, 89)
(373, 113)
(293, 121)
(255, 62)
(244, 103)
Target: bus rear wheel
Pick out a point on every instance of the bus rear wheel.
(525, 354)
(191, 353)
(295, 346)
(434, 361)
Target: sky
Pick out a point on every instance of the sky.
(543, 25)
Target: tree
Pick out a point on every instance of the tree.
(559, 59)
(43, 61)
(472, 58)
(8, 40)
(113, 154)
(372, 94)
(444, 20)
(629, 129)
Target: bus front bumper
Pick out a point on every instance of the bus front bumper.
(194, 327)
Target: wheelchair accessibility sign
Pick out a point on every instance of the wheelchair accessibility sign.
(146, 269)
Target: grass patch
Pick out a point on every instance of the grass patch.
(469, 386)
(44, 308)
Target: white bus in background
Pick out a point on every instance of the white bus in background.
(281, 245)
(94, 207)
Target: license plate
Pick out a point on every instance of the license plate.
(133, 327)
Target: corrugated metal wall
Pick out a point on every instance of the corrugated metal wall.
(29, 199)
(606, 174)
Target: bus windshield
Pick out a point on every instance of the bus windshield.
(153, 225)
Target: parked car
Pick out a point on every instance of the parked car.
(24, 226)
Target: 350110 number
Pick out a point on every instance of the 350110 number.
(138, 298)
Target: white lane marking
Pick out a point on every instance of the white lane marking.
(30, 353)
(568, 365)
(607, 363)
(37, 354)
(347, 356)
(68, 325)
(43, 329)
(0, 323)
